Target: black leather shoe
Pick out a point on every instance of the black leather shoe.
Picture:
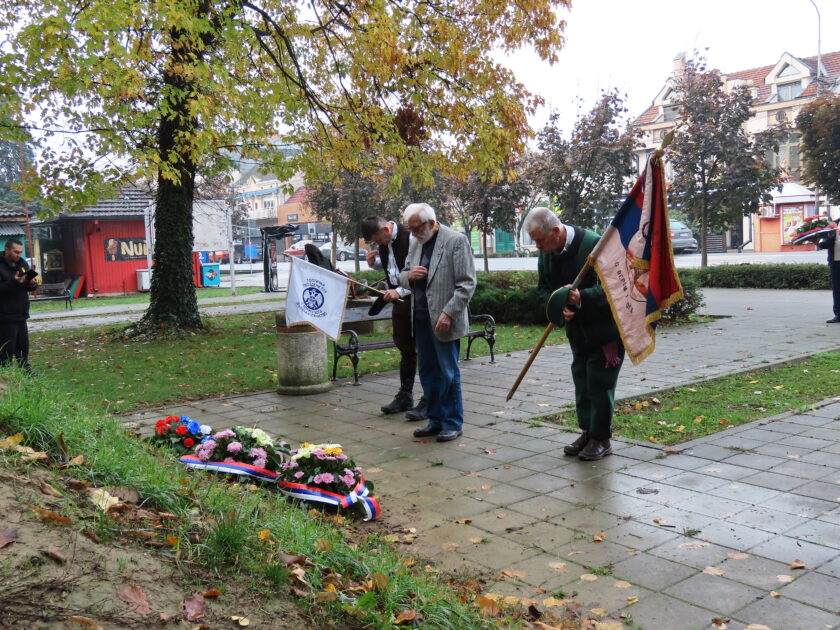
(420, 412)
(402, 401)
(595, 449)
(448, 436)
(577, 446)
(427, 431)
(833, 320)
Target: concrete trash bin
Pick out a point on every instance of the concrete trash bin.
(302, 366)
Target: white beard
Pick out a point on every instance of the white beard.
(424, 236)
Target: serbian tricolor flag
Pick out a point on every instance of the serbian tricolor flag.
(635, 262)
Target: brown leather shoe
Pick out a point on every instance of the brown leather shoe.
(577, 446)
(595, 449)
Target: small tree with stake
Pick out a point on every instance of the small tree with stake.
(720, 172)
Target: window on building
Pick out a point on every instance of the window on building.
(788, 71)
(787, 157)
(671, 112)
(268, 204)
(291, 217)
(789, 91)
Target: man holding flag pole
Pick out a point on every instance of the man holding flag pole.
(616, 309)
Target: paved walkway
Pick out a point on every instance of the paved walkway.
(707, 532)
(108, 315)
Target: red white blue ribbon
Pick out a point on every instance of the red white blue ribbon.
(359, 494)
(233, 468)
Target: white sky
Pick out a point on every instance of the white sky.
(631, 44)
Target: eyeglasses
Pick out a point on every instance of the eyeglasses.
(416, 228)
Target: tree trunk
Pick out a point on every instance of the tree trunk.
(704, 230)
(172, 298)
(173, 303)
(484, 247)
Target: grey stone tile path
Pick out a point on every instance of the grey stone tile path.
(705, 530)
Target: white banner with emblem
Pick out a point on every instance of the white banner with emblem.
(316, 296)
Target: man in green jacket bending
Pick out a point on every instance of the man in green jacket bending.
(597, 351)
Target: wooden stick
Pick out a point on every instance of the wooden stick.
(581, 274)
(530, 360)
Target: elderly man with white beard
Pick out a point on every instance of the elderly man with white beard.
(440, 272)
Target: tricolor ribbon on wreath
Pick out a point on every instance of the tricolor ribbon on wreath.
(232, 468)
(359, 494)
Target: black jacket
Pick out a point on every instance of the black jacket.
(400, 248)
(14, 298)
(827, 242)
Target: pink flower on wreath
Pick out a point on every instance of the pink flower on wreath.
(224, 434)
(299, 474)
(341, 457)
(288, 465)
(349, 479)
(324, 478)
(234, 447)
(205, 449)
(229, 460)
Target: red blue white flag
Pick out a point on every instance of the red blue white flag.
(635, 262)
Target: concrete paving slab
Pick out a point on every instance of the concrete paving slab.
(766, 492)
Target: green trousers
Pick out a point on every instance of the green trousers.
(595, 391)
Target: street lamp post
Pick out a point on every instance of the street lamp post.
(819, 88)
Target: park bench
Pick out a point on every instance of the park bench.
(56, 291)
(354, 346)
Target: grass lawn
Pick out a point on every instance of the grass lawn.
(282, 565)
(236, 354)
(138, 298)
(686, 413)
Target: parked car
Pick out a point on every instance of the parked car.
(343, 251)
(296, 249)
(681, 238)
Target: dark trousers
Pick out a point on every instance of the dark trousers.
(834, 266)
(595, 391)
(404, 341)
(440, 377)
(14, 343)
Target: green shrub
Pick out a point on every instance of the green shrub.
(763, 276)
(691, 302)
(511, 297)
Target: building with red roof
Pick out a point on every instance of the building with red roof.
(779, 92)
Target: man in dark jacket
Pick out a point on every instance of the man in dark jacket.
(597, 351)
(392, 241)
(14, 305)
(832, 244)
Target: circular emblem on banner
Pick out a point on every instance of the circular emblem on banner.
(313, 299)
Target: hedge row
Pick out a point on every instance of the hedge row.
(762, 276)
(511, 297)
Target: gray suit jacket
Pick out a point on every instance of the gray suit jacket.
(451, 280)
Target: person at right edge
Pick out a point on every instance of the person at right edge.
(597, 351)
(832, 244)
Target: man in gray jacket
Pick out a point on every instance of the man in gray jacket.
(440, 272)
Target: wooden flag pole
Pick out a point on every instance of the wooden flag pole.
(581, 274)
